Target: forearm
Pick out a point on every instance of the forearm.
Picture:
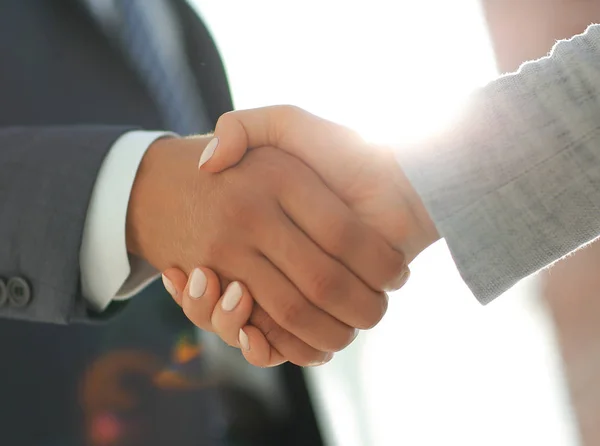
(515, 185)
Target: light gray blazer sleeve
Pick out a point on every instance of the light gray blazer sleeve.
(46, 180)
(515, 185)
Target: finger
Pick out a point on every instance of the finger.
(232, 312)
(284, 344)
(256, 349)
(339, 232)
(327, 284)
(335, 152)
(291, 311)
(174, 281)
(240, 130)
(230, 139)
(200, 297)
(230, 322)
(267, 284)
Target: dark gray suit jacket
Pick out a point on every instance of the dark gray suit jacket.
(66, 94)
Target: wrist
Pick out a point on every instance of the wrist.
(140, 197)
(414, 229)
(167, 167)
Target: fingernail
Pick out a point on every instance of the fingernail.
(232, 296)
(197, 284)
(244, 343)
(398, 282)
(169, 286)
(209, 151)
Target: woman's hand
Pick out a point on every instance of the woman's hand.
(225, 314)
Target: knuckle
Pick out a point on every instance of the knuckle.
(284, 116)
(374, 315)
(325, 285)
(396, 260)
(272, 332)
(393, 265)
(226, 120)
(343, 234)
(289, 109)
(294, 350)
(341, 342)
(292, 312)
(288, 113)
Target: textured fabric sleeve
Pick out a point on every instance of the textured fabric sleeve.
(46, 180)
(107, 271)
(515, 184)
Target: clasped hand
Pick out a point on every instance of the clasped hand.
(305, 232)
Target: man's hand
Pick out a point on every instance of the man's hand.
(314, 268)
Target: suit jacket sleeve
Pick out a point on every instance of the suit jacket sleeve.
(47, 175)
(515, 185)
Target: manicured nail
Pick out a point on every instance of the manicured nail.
(244, 343)
(169, 286)
(398, 282)
(197, 284)
(209, 151)
(232, 296)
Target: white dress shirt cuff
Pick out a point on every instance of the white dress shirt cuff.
(108, 272)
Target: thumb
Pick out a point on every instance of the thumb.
(228, 145)
(238, 131)
(335, 152)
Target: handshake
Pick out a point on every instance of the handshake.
(301, 223)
